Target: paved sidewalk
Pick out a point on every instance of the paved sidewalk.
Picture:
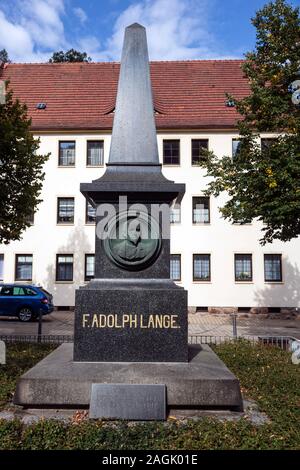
(221, 325)
(62, 323)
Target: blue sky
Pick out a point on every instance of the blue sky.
(30, 30)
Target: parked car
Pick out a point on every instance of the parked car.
(24, 301)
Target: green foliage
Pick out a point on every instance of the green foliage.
(21, 170)
(4, 56)
(10, 432)
(266, 374)
(44, 435)
(263, 183)
(20, 358)
(69, 56)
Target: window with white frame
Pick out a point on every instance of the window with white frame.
(201, 267)
(243, 267)
(64, 267)
(199, 151)
(66, 153)
(23, 268)
(236, 147)
(89, 269)
(65, 210)
(175, 267)
(90, 215)
(171, 152)
(273, 268)
(175, 214)
(201, 210)
(95, 153)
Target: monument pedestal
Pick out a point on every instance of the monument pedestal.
(58, 382)
(137, 320)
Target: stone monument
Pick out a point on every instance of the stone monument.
(131, 319)
(132, 310)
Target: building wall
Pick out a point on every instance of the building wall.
(220, 238)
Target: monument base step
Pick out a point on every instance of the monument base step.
(58, 382)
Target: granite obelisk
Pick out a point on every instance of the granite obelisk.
(134, 133)
(132, 310)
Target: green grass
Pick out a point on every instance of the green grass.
(267, 376)
(20, 358)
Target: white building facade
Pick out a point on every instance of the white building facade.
(222, 265)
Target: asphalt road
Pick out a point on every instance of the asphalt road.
(57, 323)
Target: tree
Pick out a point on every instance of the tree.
(69, 56)
(21, 170)
(4, 56)
(263, 182)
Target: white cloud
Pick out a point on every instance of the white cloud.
(176, 29)
(43, 19)
(14, 38)
(36, 27)
(89, 44)
(81, 14)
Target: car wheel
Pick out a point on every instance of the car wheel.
(25, 314)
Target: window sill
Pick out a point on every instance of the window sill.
(64, 224)
(175, 165)
(29, 281)
(90, 224)
(66, 166)
(202, 282)
(201, 223)
(94, 166)
(273, 282)
(243, 282)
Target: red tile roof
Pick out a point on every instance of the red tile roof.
(187, 94)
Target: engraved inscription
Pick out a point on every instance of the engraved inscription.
(95, 320)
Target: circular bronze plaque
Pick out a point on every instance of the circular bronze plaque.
(133, 240)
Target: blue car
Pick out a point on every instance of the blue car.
(24, 301)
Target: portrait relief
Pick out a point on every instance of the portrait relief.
(131, 246)
(134, 240)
